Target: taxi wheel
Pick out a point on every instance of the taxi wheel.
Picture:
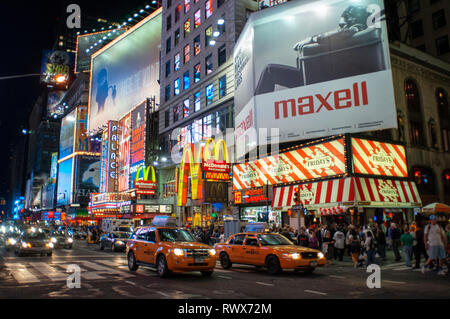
(161, 267)
(225, 261)
(132, 262)
(273, 265)
(207, 273)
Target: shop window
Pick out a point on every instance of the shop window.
(444, 118)
(439, 20)
(177, 12)
(221, 27)
(197, 19)
(433, 133)
(186, 108)
(210, 94)
(177, 62)
(222, 86)
(187, 54)
(167, 93)
(176, 37)
(416, 130)
(208, 64)
(176, 87)
(208, 36)
(187, 28)
(168, 44)
(197, 45)
(222, 54)
(197, 102)
(446, 181)
(197, 74)
(187, 5)
(424, 179)
(186, 80)
(208, 8)
(442, 45)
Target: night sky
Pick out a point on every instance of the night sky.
(28, 28)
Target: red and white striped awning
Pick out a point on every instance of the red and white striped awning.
(351, 191)
(335, 210)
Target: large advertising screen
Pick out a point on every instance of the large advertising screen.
(64, 191)
(125, 72)
(54, 99)
(138, 129)
(88, 44)
(54, 168)
(88, 178)
(83, 142)
(378, 158)
(56, 63)
(314, 68)
(304, 164)
(66, 140)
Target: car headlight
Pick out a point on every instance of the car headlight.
(51, 245)
(70, 240)
(120, 242)
(53, 240)
(12, 241)
(321, 255)
(26, 245)
(212, 252)
(295, 256)
(178, 252)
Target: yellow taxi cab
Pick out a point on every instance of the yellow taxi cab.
(169, 249)
(270, 250)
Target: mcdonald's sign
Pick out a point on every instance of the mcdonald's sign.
(216, 192)
(145, 181)
(191, 163)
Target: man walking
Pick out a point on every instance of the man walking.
(395, 236)
(407, 242)
(419, 248)
(435, 240)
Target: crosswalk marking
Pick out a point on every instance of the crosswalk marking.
(49, 271)
(114, 264)
(21, 274)
(101, 268)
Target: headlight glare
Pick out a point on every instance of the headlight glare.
(70, 240)
(178, 252)
(53, 240)
(12, 241)
(295, 256)
(321, 255)
(212, 252)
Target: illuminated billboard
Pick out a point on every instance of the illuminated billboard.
(56, 63)
(124, 152)
(88, 178)
(313, 69)
(88, 44)
(125, 72)
(138, 130)
(109, 156)
(65, 189)
(66, 140)
(83, 142)
(54, 99)
(54, 168)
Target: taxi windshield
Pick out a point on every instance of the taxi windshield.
(34, 236)
(175, 235)
(273, 240)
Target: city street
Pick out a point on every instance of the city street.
(105, 275)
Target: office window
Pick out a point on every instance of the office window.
(197, 45)
(186, 108)
(167, 118)
(208, 9)
(413, 5)
(220, 2)
(417, 29)
(187, 54)
(177, 62)
(197, 102)
(187, 28)
(187, 5)
(197, 19)
(168, 22)
(176, 87)
(167, 68)
(413, 103)
(176, 37)
(177, 12)
(208, 35)
(221, 27)
(168, 44)
(197, 75)
(222, 55)
(222, 86)
(444, 117)
(169, 3)
(175, 114)
(442, 45)
(208, 64)
(167, 93)
(439, 20)
(186, 80)
(210, 94)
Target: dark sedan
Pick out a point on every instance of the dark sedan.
(116, 241)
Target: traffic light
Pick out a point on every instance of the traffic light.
(297, 195)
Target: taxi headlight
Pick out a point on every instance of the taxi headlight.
(70, 240)
(120, 242)
(212, 252)
(321, 255)
(295, 256)
(24, 245)
(53, 240)
(12, 241)
(178, 252)
(51, 245)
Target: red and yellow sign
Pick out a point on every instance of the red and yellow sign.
(306, 163)
(377, 158)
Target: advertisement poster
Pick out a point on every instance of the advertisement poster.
(124, 152)
(54, 168)
(67, 135)
(64, 191)
(55, 63)
(91, 42)
(138, 129)
(314, 69)
(88, 178)
(53, 100)
(83, 142)
(125, 72)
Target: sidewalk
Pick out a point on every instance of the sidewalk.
(390, 259)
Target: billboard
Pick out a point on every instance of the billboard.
(84, 143)
(54, 98)
(378, 158)
(125, 72)
(48, 194)
(88, 44)
(66, 140)
(56, 63)
(54, 168)
(88, 178)
(124, 152)
(64, 191)
(304, 164)
(313, 69)
(138, 140)
(109, 158)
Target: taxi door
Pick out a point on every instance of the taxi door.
(234, 248)
(251, 252)
(150, 247)
(138, 244)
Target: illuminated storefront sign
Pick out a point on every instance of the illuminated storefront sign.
(111, 160)
(124, 153)
(250, 196)
(138, 138)
(307, 163)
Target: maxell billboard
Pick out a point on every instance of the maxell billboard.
(313, 69)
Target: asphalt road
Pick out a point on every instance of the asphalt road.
(105, 275)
